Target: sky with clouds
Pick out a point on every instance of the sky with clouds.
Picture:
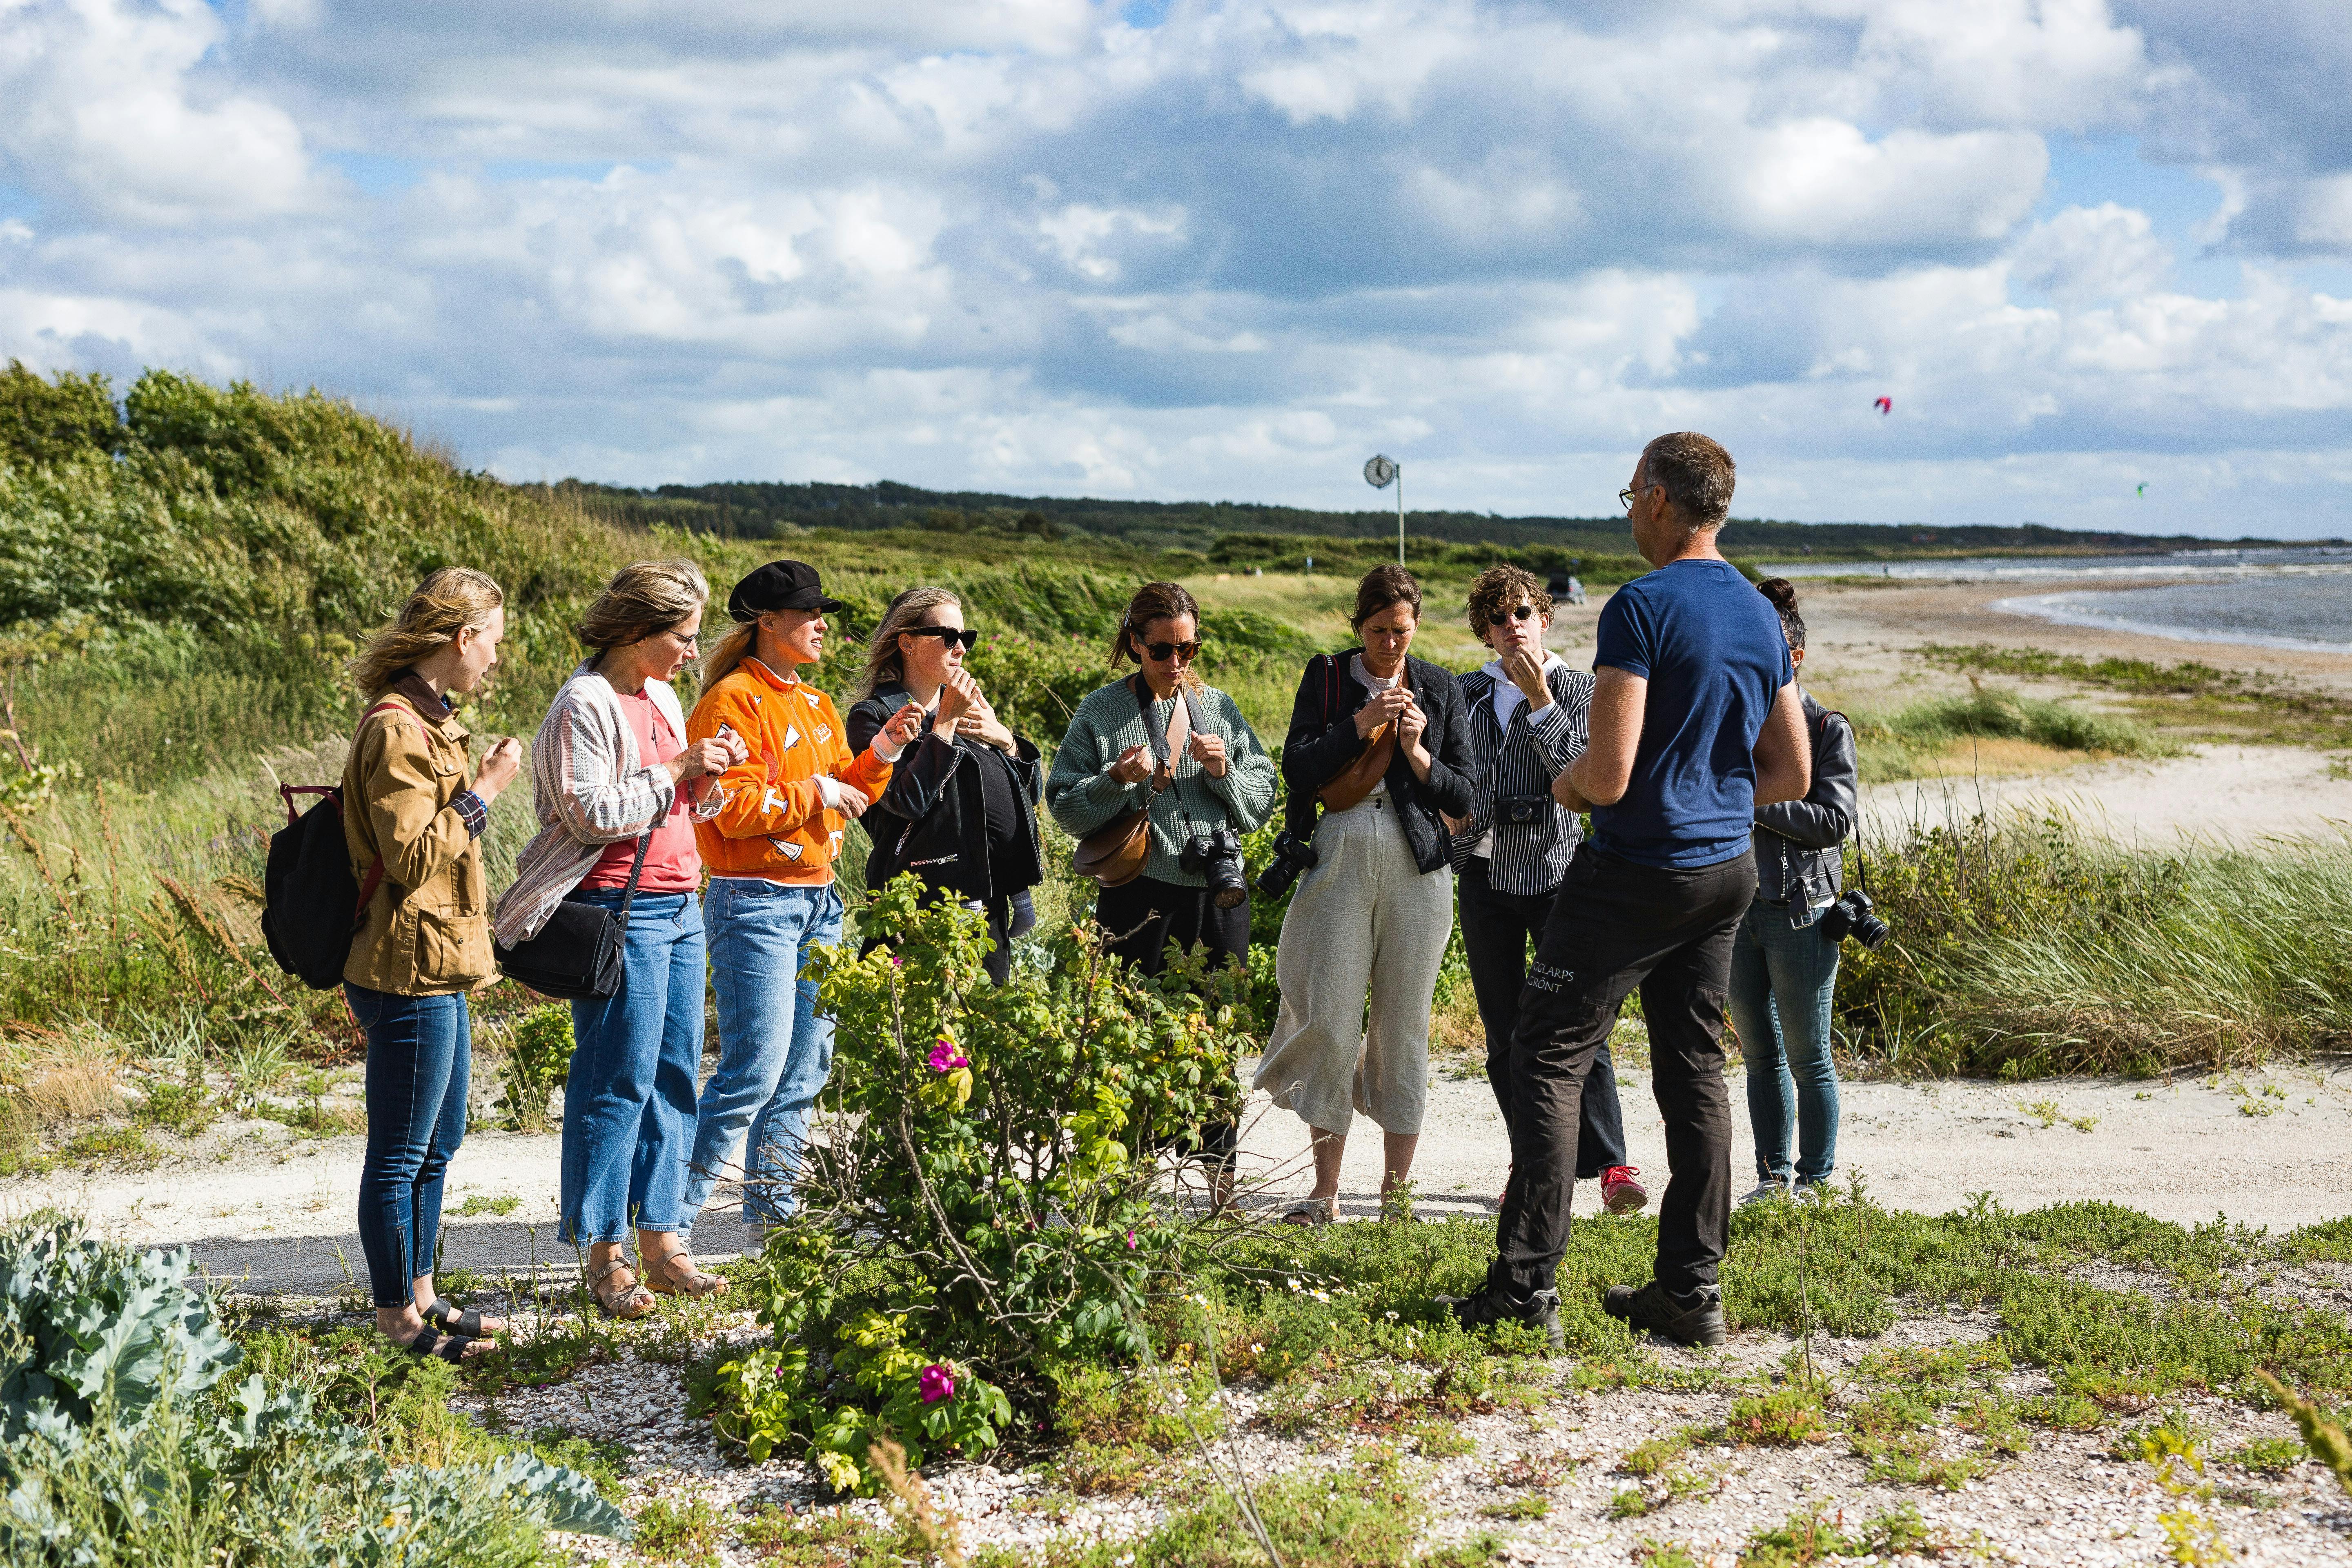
(1229, 249)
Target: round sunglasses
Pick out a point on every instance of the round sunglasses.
(1162, 652)
(966, 636)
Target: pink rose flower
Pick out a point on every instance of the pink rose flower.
(937, 1383)
(945, 1057)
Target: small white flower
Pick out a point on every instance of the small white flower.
(1392, 1317)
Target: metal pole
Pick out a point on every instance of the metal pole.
(1399, 514)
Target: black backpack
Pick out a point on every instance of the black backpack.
(312, 905)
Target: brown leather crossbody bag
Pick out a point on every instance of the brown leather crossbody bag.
(1354, 782)
(1116, 853)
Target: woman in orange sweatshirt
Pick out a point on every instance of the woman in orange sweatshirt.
(771, 848)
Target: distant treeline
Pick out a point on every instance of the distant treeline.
(746, 510)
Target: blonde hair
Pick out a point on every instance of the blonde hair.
(644, 597)
(883, 660)
(739, 642)
(445, 604)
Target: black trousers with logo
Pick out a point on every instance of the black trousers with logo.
(1615, 926)
(1497, 929)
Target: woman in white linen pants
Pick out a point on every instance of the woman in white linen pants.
(1372, 915)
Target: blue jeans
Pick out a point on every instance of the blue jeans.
(419, 1062)
(628, 1101)
(1783, 977)
(774, 1050)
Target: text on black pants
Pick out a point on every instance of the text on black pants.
(1497, 929)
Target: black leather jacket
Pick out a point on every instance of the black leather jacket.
(932, 819)
(1323, 740)
(1798, 853)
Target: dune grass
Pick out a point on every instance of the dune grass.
(1992, 729)
(2024, 948)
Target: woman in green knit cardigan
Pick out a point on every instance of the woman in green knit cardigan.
(1105, 768)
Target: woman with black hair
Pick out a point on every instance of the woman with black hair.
(1379, 737)
(1783, 969)
(1167, 744)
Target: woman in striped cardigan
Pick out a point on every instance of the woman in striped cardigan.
(1526, 718)
(612, 770)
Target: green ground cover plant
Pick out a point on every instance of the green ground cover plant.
(124, 1440)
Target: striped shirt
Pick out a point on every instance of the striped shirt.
(1528, 857)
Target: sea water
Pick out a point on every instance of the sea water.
(2290, 597)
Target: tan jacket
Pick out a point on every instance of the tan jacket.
(427, 931)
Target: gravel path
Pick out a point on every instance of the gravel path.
(2269, 1149)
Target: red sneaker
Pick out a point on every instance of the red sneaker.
(1620, 1193)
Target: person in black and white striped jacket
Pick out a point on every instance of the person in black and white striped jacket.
(1527, 716)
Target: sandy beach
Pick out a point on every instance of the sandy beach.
(1861, 656)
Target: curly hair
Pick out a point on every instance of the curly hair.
(1498, 590)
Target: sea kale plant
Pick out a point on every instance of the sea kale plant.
(123, 1442)
(980, 1201)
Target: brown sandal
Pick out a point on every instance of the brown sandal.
(662, 1279)
(632, 1301)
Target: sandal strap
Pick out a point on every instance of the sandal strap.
(466, 1320)
(694, 1281)
(432, 1342)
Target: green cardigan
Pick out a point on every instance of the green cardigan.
(1083, 796)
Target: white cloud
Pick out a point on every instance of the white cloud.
(1032, 247)
(113, 110)
(2093, 253)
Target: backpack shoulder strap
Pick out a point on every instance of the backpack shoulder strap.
(374, 878)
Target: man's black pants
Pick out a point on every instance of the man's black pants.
(1616, 925)
(1495, 930)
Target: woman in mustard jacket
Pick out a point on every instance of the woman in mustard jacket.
(412, 823)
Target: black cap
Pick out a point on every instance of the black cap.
(780, 586)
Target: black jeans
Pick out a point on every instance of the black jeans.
(1146, 915)
(1615, 925)
(1497, 929)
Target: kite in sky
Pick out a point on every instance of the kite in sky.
(2143, 492)
(1883, 404)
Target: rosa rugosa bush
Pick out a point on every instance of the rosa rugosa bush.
(978, 1195)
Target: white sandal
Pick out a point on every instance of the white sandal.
(1311, 1212)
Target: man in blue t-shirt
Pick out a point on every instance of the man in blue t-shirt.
(1695, 723)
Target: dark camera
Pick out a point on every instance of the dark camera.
(1217, 856)
(1520, 809)
(1292, 855)
(1850, 917)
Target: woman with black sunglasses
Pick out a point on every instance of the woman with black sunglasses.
(960, 810)
(1110, 763)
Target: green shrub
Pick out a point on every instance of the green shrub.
(539, 1055)
(985, 1204)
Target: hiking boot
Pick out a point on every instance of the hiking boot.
(1620, 1193)
(1539, 1310)
(1697, 1319)
(1764, 1191)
